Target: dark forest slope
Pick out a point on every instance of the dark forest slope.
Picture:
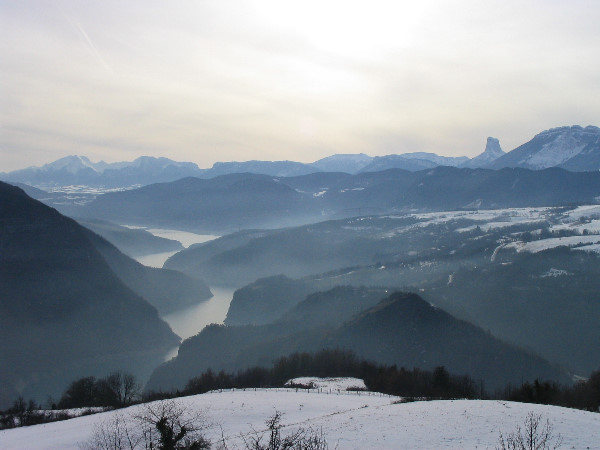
(63, 311)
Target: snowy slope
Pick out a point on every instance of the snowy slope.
(572, 148)
(348, 421)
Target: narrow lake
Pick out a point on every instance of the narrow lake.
(190, 321)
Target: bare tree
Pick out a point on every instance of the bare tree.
(130, 388)
(171, 426)
(164, 425)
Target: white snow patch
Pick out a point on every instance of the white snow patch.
(330, 384)
(555, 273)
(353, 189)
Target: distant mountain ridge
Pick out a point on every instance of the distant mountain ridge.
(413, 162)
(248, 201)
(79, 170)
(572, 148)
(348, 163)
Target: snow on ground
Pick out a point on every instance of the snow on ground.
(347, 420)
(329, 384)
(555, 273)
(487, 219)
(593, 226)
(544, 244)
(589, 248)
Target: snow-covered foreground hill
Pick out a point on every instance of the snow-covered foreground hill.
(348, 421)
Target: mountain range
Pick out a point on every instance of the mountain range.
(247, 201)
(544, 299)
(572, 148)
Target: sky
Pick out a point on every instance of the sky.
(233, 80)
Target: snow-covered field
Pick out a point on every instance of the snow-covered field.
(544, 244)
(487, 218)
(348, 421)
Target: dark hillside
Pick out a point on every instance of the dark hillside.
(403, 329)
(63, 312)
(167, 290)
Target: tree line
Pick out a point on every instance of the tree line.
(119, 389)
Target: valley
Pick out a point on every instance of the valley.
(303, 225)
(490, 275)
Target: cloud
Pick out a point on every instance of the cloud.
(225, 80)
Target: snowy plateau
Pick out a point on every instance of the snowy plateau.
(348, 420)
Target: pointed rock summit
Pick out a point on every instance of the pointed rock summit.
(492, 152)
(492, 147)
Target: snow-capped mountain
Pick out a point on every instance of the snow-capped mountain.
(73, 164)
(573, 148)
(79, 170)
(349, 163)
(492, 152)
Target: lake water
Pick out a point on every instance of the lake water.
(155, 259)
(185, 237)
(190, 321)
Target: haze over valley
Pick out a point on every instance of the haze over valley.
(491, 273)
(305, 225)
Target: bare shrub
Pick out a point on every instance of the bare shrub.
(118, 433)
(301, 439)
(537, 435)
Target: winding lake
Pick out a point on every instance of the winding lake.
(190, 321)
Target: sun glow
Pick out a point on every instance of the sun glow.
(354, 29)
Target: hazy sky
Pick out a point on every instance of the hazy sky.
(223, 80)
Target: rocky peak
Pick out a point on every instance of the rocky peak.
(492, 152)
(493, 147)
